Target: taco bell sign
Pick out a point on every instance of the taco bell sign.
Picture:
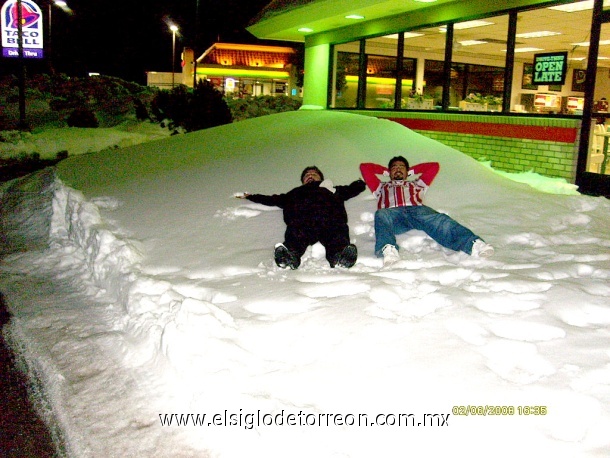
(31, 29)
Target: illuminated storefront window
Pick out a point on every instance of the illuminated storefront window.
(380, 68)
(477, 71)
(346, 76)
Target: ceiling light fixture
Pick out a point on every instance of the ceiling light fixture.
(578, 6)
(466, 25)
(586, 43)
(407, 35)
(472, 42)
(526, 49)
(540, 34)
(354, 16)
(573, 7)
(305, 30)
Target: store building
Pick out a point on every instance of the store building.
(520, 83)
(237, 70)
(248, 70)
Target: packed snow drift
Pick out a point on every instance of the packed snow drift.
(149, 311)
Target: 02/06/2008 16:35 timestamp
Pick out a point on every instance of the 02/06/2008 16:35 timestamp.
(484, 410)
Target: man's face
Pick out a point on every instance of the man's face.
(311, 175)
(398, 171)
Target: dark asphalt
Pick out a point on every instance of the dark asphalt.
(22, 433)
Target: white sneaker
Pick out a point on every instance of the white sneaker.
(390, 255)
(480, 249)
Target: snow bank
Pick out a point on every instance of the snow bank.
(52, 234)
(25, 212)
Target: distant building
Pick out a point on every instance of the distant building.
(237, 69)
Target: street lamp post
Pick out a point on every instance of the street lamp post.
(61, 4)
(174, 29)
(22, 114)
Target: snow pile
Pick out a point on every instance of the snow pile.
(546, 184)
(157, 301)
(26, 203)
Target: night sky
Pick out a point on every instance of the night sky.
(126, 38)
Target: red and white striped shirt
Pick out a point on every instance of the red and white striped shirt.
(399, 193)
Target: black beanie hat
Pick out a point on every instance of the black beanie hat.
(311, 167)
(398, 159)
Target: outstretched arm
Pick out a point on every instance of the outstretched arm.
(369, 172)
(276, 200)
(351, 190)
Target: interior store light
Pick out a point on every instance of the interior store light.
(586, 43)
(539, 34)
(578, 6)
(466, 25)
(407, 35)
(527, 49)
(472, 42)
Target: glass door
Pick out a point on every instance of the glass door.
(592, 77)
(597, 157)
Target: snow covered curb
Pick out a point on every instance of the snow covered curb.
(39, 212)
(54, 236)
(41, 388)
(26, 212)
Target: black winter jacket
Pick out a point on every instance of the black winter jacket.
(312, 204)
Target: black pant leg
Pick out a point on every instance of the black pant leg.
(298, 237)
(334, 238)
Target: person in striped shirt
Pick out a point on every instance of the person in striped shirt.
(400, 208)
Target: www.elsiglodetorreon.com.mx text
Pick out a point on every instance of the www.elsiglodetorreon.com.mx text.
(250, 420)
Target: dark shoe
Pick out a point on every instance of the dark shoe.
(347, 257)
(285, 258)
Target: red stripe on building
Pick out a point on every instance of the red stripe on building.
(554, 134)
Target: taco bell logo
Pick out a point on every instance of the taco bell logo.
(31, 29)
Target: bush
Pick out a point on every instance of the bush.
(253, 107)
(54, 100)
(82, 117)
(207, 108)
(112, 99)
(190, 109)
(141, 110)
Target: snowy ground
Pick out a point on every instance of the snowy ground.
(76, 140)
(158, 296)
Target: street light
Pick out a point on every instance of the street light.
(63, 5)
(174, 29)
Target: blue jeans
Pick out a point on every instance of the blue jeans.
(390, 222)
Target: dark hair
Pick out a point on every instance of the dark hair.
(398, 159)
(311, 167)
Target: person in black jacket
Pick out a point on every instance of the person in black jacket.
(314, 212)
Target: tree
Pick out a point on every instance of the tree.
(207, 108)
(190, 109)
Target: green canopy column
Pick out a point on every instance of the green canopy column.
(315, 83)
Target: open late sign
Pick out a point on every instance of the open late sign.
(550, 68)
